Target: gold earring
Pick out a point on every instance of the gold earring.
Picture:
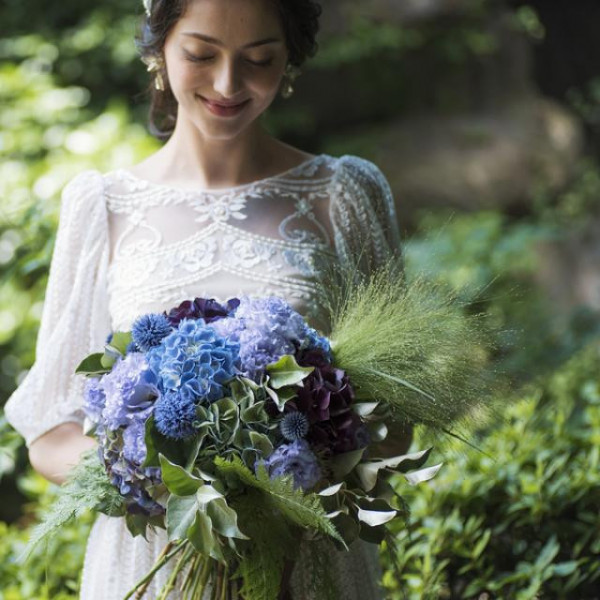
(290, 75)
(155, 65)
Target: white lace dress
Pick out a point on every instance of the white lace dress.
(126, 246)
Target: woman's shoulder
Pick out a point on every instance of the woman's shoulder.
(82, 196)
(358, 168)
(83, 184)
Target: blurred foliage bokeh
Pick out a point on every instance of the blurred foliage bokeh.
(521, 524)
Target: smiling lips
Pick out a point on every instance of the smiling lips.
(223, 109)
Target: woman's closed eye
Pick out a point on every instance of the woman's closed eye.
(267, 62)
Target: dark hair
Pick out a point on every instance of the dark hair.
(299, 19)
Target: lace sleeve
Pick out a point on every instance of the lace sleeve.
(363, 214)
(75, 319)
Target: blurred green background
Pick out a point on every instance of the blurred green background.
(485, 116)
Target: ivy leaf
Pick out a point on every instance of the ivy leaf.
(286, 371)
(157, 443)
(224, 519)
(177, 479)
(181, 514)
(200, 533)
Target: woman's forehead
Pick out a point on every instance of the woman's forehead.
(233, 22)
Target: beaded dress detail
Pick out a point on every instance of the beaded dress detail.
(126, 246)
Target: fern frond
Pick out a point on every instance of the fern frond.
(87, 487)
(303, 510)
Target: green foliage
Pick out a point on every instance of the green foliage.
(87, 488)
(491, 263)
(52, 571)
(524, 524)
(303, 510)
(570, 209)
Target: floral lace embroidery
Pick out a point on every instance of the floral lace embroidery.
(224, 257)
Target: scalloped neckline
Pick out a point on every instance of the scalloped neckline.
(200, 190)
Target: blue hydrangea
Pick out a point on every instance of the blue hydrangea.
(175, 414)
(195, 361)
(315, 341)
(131, 389)
(149, 330)
(295, 459)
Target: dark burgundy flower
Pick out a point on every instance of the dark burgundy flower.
(313, 357)
(326, 398)
(201, 308)
(325, 393)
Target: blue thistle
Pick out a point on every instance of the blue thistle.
(149, 330)
(294, 426)
(175, 414)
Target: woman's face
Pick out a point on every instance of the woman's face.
(225, 60)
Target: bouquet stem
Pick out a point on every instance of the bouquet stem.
(165, 556)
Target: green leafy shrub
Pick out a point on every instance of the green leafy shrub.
(53, 570)
(523, 522)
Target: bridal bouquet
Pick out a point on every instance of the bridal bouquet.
(213, 420)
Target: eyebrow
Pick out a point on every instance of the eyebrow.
(216, 42)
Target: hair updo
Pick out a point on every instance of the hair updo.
(299, 19)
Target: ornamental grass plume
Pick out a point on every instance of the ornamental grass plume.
(409, 345)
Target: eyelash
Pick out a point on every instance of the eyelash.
(200, 59)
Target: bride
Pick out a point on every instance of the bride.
(222, 209)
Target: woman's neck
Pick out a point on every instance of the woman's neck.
(188, 158)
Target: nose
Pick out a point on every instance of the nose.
(227, 79)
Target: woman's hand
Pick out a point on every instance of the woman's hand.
(53, 454)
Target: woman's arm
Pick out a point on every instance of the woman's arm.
(53, 454)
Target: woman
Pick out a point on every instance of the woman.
(222, 209)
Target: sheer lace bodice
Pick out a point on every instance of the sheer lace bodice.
(262, 238)
(126, 246)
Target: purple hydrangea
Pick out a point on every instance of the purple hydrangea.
(94, 399)
(130, 389)
(295, 459)
(266, 329)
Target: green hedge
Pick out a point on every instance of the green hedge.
(523, 524)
